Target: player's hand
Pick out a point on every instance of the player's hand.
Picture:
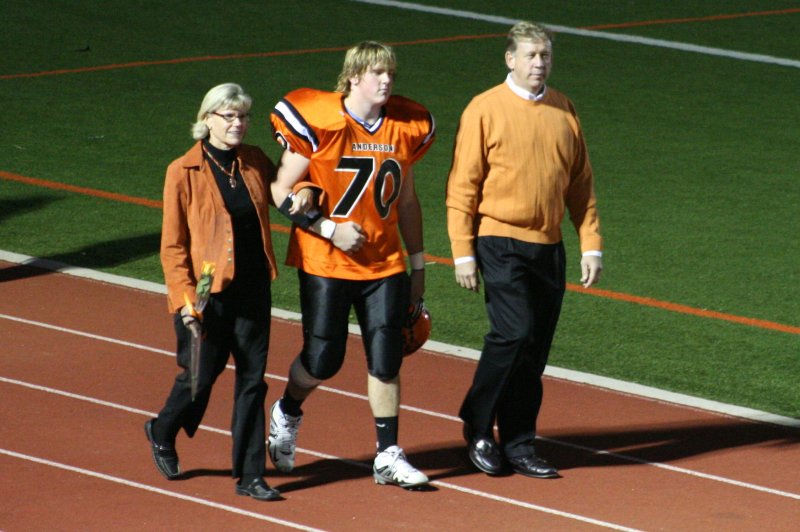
(591, 267)
(302, 201)
(190, 320)
(467, 275)
(349, 237)
(417, 285)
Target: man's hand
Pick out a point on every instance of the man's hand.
(348, 236)
(591, 266)
(467, 275)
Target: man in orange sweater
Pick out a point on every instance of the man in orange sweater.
(519, 161)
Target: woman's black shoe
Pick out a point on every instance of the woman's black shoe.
(259, 490)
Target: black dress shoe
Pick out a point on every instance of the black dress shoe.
(259, 490)
(483, 453)
(532, 466)
(164, 456)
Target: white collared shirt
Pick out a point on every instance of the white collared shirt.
(522, 93)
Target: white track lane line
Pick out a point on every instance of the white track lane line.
(598, 381)
(619, 37)
(363, 465)
(440, 415)
(159, 491)
(675, 469)
(590, 450)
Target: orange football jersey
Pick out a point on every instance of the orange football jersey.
(361, 169)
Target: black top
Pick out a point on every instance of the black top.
(248, 246)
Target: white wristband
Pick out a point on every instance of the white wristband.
(417, 260)
(327, 228)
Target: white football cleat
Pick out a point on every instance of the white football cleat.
(392, 467)
(282, 437)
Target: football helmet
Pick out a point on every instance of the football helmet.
(417, 329)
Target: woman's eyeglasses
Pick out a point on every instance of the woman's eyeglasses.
(229, 117)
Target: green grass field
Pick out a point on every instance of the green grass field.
(696, 155)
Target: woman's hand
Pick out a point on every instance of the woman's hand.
(302, 201)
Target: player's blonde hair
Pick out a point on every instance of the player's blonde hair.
(362, 57)
(527, 31)
(225, 96)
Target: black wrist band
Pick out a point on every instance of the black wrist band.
(304, 220)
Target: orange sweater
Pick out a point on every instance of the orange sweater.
(517, 164)
(198, 227)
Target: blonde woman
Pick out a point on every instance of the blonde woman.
(216, 210)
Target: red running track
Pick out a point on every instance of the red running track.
(84, 363)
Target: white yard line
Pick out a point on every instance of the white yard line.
(618, 37)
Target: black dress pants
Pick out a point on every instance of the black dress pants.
(524, 286)
(236, 321)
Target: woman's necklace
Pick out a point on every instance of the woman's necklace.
(231, 175)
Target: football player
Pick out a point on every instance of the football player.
(355, 148)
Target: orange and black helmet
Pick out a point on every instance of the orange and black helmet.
(417, 329)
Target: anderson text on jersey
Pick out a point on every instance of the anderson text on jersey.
(368, 146)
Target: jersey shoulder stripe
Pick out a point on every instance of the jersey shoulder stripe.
(429, 137)
(306, 114)
(406, 110)
(294, 121)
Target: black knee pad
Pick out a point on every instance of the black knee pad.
(322, 358)
(386, 374)
(385, 354)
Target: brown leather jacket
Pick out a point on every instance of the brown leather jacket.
(197, 226)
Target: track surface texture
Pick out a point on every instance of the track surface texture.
(84, 363)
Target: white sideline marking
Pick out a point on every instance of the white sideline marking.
(153, 489)
(619, 37)
(432, 346)
(447, 485)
